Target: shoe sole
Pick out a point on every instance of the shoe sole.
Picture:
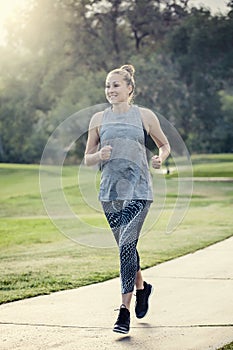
(122, 331)
(151, 292)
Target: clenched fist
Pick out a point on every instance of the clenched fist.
(105, 152)
(156, 162)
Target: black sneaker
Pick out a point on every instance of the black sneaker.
(123, 321)
(142, 297)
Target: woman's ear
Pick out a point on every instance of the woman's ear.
(130, 89)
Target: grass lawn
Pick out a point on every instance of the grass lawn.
(36, 258)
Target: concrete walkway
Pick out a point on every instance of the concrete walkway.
(191, 309)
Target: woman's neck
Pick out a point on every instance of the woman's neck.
(121, 107)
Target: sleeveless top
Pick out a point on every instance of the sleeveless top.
(126, 175)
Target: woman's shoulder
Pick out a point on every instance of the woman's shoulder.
(96, 119)
(148, 116)
(149, 119)
(146, 112)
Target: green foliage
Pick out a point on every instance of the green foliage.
(57, 54)
(227, 347)
(226, 124)
(202, 50)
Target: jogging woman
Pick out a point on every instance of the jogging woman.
(116, 141)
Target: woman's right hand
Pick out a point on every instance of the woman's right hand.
(105, 152)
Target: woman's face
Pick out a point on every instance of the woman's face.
(116, 89)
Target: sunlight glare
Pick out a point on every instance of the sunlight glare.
(9, 9)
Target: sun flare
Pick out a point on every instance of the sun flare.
(9, 9)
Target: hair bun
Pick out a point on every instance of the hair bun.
(129, 68)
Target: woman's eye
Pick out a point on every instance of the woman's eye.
(114, 85)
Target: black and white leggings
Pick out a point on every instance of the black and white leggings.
(125, 219)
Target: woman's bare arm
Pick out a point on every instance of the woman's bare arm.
(152, 125)
(92, 154)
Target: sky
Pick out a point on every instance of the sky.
(214, 5)
(8, 7)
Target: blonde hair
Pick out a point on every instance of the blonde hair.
(127, 72)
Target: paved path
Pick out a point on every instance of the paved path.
(191, 309)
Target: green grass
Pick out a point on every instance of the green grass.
(36, 258)
(208, 165)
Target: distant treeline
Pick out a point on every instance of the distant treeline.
(57, 54)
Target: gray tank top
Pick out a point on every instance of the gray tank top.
(126, 175)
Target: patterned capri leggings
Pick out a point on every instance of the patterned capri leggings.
(125, 219)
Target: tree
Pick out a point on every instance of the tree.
(58, 52)
(201, 48)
